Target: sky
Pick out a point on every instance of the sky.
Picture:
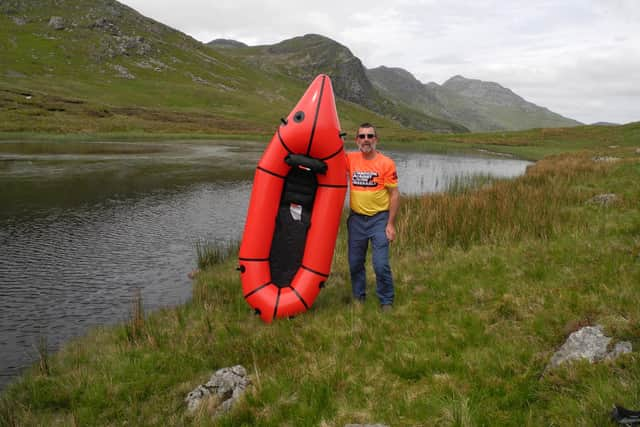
(578, 58)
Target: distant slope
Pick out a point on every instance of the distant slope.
(306, 56)
(100, 66)
(478, 105)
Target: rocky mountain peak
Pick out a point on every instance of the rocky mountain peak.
(489, 92)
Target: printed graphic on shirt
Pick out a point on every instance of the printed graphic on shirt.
(364, 179)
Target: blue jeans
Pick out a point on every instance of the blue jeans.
(361, 229)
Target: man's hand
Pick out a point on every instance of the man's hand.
(390, 231)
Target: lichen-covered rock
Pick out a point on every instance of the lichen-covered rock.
(57, 23)
(605, 199)
(227, 385)
(588, 343)
(606, 159)
(123, 72)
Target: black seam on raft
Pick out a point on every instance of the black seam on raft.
(299, 297)
(314, 272)
(334, 154)
(260, 168)
(275, 309)
(315, 119)
(254, 259)
(257, 289)
(282, 142)
(332, 185)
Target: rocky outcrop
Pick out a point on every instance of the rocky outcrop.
(605, 199)
(57, 23)
(122, 72)
(588, 343)
(606, 159)
(227, 385)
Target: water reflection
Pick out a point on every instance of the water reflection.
(65, 267)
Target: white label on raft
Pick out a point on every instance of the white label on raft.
(313, 99)
(296, 211)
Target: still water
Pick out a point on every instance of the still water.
(81, 234)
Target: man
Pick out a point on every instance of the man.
(374, 200)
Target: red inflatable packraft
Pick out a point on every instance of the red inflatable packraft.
(295, 208)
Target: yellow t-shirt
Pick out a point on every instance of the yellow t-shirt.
(369, 181)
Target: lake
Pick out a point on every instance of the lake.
(84, 229)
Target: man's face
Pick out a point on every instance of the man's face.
(366, 140)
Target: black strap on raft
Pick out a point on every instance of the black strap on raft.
(300, 161)
(294, 217)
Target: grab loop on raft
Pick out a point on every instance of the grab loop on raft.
(306, 162)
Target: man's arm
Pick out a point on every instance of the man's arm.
(394, 203)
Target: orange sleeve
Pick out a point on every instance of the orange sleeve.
(391, 175)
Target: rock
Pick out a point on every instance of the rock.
(227, 384)
(623, 347)
(607, 159)
(605, 199)
(197, 79)
(19, 20)
(14, 74)
(132, 45)
(123, 72)
(57, 23)
(105, 25)
(588, 343)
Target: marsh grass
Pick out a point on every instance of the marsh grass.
(135, 327)
(489, 283)
(209, 254)
(42, 348)
(532, 206)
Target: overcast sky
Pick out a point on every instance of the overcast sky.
(579, 58)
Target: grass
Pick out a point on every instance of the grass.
(490, 281)
(210, 254)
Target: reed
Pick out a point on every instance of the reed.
(43, 355)
(135, 327)
(534, 205)
(209, 254)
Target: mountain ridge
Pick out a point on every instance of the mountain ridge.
(306, 56)
(87, 66)
(475, 104)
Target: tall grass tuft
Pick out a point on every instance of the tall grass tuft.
(209, 254)
(462, 184)
(509, 210)
(135, 327)
(43, 355)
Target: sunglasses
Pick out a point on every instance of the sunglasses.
(366, 136)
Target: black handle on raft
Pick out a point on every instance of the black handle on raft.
(284, 121)
(314, 165)
(342, 134)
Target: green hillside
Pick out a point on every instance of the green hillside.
(72, 66)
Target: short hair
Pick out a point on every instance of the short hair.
(368, 125)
